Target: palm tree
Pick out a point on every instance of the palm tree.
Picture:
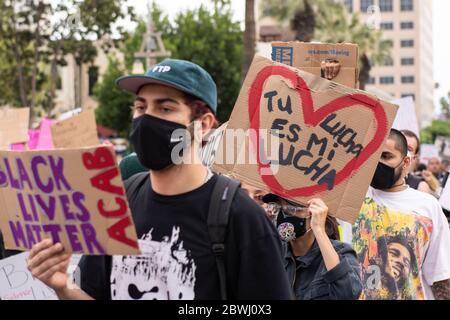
(329, 21)
(337, 25)
(249, 37)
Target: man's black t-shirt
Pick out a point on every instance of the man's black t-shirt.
(177, 260)
(413, 181)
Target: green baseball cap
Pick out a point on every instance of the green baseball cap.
(179, 74)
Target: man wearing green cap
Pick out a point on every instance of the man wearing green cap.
(170, 210)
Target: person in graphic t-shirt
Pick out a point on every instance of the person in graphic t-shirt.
(170, 209)
(397, 221)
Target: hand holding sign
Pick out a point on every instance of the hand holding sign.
(75, 197)
(48, 263)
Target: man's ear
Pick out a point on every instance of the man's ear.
(407, 162)
(207, 121)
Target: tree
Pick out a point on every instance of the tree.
(214, 41)
(35, 33)
(437, 128)
(337, 25)
(249, 37)
(329, 21)
(445, 106)
(113, 103)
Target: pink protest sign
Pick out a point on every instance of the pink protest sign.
(45, 141)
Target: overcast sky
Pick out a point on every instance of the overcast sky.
(441, 28)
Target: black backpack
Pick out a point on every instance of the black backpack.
(218, 213)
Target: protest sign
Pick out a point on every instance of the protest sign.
(45, 141)
(443, 146)
(330, 137)
(73, 196)
(17, 283)
(77, 131)
(406, 118)
(444, 199)
(308, 56)
(13, 126)
(428, 151)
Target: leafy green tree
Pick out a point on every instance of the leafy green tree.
(214, 41)
(113, 111)
(437, 128)
(445, 106)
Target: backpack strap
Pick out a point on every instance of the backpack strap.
(133, 183)
(219, 209)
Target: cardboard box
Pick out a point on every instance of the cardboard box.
(309, 56)
(330, 137)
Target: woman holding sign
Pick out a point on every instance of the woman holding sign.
(318, 264)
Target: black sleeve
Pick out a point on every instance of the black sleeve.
(94, 276)
(4, 253)
(345, 278)
(255, 267)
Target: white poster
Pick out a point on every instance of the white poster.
(444, 200)
(428, 151)
(443, 146)
(406, 115)
(17, 283)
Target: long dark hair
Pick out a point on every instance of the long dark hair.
(331, 228)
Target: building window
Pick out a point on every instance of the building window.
(386, 26)
(366, 4)
(388, 61)
(407, 79)
(349, 5)
(371, 80)
(386, 5)
(407, 61)
(93, 78)
(406, 5)
(386, 80)
(404, 95)
(407, 25)
(407, 43)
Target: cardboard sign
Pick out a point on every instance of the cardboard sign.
(75, 197)
(330, 137)
(406, 118)
(77, 131)
(13, 126)
(309, 56)
(17, 283)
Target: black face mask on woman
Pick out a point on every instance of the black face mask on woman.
(153, 140)
(290, 227)
(385, 176)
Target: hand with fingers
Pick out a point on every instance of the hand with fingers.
(318, 211)
(330, 68)
(48, 262)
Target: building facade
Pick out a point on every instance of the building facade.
(409, 72)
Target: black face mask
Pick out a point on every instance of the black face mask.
(385, 177)
(152, 140)
(290, 228)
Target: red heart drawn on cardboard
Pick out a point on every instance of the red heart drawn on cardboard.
(313, 117)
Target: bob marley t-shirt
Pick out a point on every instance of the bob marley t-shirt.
(400, 240)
